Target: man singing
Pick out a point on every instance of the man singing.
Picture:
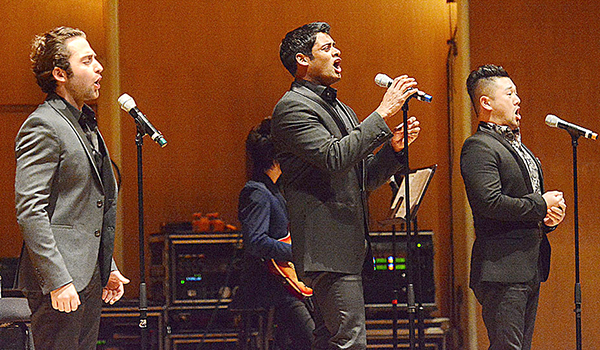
(511, 212)
(329, 166)
(66, 197)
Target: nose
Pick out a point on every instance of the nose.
(336, 51)
(99, 67)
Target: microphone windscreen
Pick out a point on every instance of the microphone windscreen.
(126, 102)
(552, 120)
(383, 80)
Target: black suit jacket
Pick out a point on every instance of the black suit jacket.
(327, 172)
(511, 243)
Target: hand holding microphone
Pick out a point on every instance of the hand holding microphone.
(399, 91)
(385, 81)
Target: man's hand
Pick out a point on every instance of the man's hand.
(552, 198)
(556, 214)
(413, 132)
(114, 287)
(395, 97)
(65, 298)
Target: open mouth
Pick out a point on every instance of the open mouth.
(97, 83)
(337, 65)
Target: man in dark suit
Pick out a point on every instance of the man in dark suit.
(66, 197)
(329, 167)
(511, 212)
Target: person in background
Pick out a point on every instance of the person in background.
(263, 215)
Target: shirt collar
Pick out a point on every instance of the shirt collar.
(265, 179)
(505, 131)
(327, 93)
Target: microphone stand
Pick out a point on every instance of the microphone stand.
(410, 291)
(574, 142)
(143, 306)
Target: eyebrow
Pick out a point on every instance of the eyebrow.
(88, 55)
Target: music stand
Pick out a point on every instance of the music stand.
(418, 180)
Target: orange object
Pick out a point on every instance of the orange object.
(200, 223)
(286, 272)
(217, 225)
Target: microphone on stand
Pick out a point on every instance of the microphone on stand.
(556, 122)
(385, 82)
(128, 105)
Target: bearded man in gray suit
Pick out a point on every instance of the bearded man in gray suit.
(329, 166)
(66, 197)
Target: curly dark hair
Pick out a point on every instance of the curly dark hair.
(482, 75)
(260, 151)
(300, 40)
(49, 50)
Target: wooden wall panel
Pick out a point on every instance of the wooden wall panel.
(206, 72)
(552, 51)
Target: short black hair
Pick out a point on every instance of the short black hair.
(260, 151)
(487, 72)
(300, 40)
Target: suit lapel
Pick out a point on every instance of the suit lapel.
(328, 109)
(539, 166)
(522, 165)
(360, 168)
(59, 106)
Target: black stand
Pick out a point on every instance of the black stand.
(143, 297)
(410, 291)
(574, 137)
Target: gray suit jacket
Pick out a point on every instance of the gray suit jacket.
(511, 244)
(66, 207)
(327, 172)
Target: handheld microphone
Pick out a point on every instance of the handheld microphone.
(385, 82)
(128, 105)
(556, 122)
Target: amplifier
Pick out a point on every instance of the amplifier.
(208, 341)
(188, 267)
(119, 327)
(390, 272)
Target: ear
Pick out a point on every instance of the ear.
(485, 102)
(59, 74)
(302, 59)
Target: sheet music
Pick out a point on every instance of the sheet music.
(418, 182)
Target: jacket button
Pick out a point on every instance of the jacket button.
(99, 203)
(97, 233)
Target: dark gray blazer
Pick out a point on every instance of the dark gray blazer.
(66, 207)
(511, 243)
(327, 172)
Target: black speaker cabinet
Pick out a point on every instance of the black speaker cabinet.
(119, 327)
(391, 272)
(191, 268)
